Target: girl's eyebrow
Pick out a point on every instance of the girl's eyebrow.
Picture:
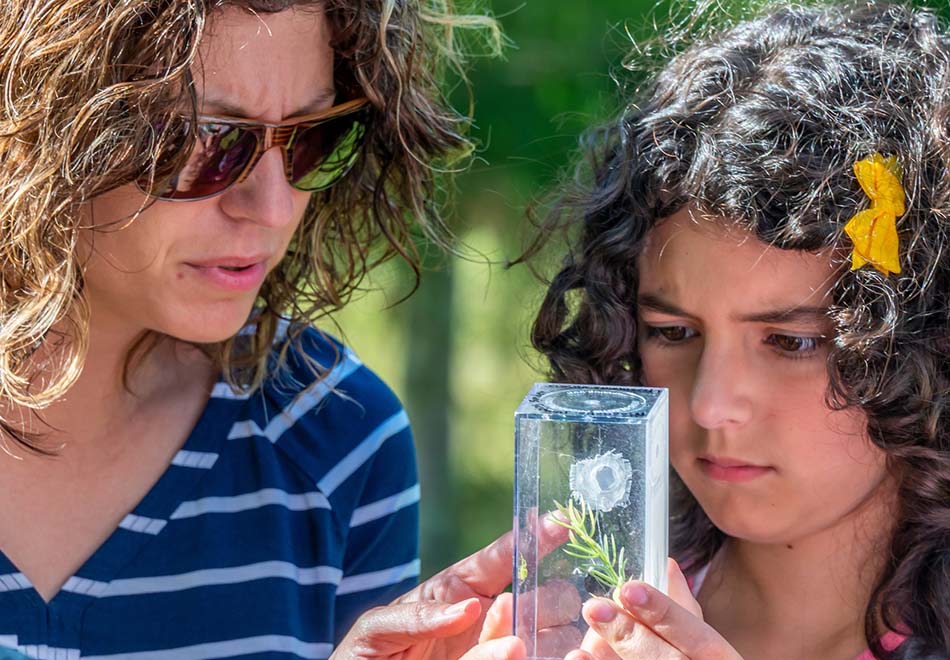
(658, 304)
(793, 315)
(799, 314)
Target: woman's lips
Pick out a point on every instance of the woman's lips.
(731, 470)
(232, 278)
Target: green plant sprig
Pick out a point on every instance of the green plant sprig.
(601, 559)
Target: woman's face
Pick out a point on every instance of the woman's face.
(738, 332)
(172, 269)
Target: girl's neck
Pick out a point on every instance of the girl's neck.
(810, 593)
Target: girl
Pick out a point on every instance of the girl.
(764, 232)
(191, 470)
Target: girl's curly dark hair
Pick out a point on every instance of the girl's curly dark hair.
(761, 124)
(85, 83)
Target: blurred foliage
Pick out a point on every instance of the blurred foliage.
(529, 109)
(458, 351)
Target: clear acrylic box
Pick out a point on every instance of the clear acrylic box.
(600, 451)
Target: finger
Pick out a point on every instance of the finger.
(498, 620)
(562, 605)
(558, 603)
(556, 642)
(680, 592)
(488, 571)
(675, 624)
(628, 637)
(552, 533)
(394, 628)
(506, 648)
(579, 655)
(597, 646)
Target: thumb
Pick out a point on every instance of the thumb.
(395, 628)
(680, 592)
(504, 648)
(497, 621)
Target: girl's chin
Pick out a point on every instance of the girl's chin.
(759, 531)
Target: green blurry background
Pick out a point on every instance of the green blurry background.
(458, 352)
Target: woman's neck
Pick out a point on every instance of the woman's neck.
(111, 389)
(807, 597)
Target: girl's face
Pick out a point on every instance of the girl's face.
(737, 331)
(172, 269)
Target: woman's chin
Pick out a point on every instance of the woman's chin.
(208, 330)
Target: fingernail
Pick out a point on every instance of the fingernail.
(635, 594)
(601, 611)
(550, 521)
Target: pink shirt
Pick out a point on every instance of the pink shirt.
(890, 640)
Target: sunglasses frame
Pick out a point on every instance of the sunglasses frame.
(272, 134)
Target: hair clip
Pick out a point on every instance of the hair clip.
(873, 231)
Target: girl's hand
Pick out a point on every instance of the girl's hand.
(648, 624)
(457, 613)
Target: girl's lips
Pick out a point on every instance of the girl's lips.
(733, 471)
(247, 278)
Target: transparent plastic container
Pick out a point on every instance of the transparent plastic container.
(602, 451)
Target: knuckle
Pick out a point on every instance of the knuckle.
(417, 619)
(437, 586)
(659, 614)
(456, 588)
(640, 635)
(367, 626)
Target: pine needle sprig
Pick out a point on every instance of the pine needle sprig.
(600, 557)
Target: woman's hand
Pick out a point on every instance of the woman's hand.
(456, 614)
(648, 624)
(424, 631)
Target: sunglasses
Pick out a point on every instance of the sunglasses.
(318, 150)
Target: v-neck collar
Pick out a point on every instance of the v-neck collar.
(144, 523)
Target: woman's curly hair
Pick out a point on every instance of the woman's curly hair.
(86, 83)
(761, 125)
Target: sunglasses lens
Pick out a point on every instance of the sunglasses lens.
(217, 159)
(323, 153)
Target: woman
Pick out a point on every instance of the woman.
(191, 470)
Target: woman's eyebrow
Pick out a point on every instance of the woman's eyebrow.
(798, 314)
(322, 99)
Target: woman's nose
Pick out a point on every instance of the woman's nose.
(265, 197)
(723, 388)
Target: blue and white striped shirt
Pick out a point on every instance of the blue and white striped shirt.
(285, 515)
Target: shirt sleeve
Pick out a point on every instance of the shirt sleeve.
(381, 556)
(358, 448)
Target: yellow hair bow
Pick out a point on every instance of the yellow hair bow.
(873, 231)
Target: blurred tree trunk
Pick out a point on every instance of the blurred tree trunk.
(429, 402)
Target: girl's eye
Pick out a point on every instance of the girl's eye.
(670, 333)
(794, 345)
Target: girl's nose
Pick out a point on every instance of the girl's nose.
(265, 197)
(722, 389)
